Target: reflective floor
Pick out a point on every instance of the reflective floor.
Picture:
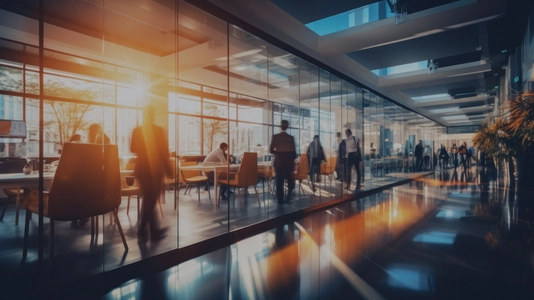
(189, 220)
(451, 235)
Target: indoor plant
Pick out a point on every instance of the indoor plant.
(511, 135)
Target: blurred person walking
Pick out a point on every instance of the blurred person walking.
(350, 151)
(152, 164)
(315, 155)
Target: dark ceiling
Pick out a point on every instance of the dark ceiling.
(453, 42)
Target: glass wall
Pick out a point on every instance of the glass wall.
(217, 94)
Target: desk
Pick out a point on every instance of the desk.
(211, 167)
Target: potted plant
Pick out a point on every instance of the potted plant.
(521, 139)
(511, 136)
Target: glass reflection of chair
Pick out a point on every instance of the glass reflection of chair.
(266, 173)
(190, 177)
(329, 168)
(86, 185)
(246, 175)
(303, 171)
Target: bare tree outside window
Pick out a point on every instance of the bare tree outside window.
(215, 131)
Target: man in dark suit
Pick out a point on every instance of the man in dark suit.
(419, 156)
(283, 148)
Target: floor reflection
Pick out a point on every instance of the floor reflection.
(443, 236)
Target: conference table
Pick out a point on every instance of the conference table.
(216, 168)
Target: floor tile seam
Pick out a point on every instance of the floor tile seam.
(363, 288)
(464, 263)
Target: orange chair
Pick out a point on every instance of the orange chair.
(86, 185)
(193, 176)
(329, 168)
(266, 173)
(246, 175)
(302, 171)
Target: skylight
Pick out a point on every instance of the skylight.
(352, 18)
(435, 97)
(415, 66)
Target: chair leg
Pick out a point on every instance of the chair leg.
(198, 191)
(257, 196)
(17, 205)
(138, 205)
(51, 239)
(4, 209)
(301, 188)
(120, 230)
(92, 229)
(128, 206)
(239, 197)
(186, 187)
(26, 233)
(160, 209)
(209, 193)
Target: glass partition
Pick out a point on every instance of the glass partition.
(218, 94)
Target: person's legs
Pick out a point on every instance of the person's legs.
(351, 162)
(151, 191)
(358, 175)
(290, 183)
(280, 176)
(346, 173)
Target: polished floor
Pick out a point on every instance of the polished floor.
(452, 235)
(189, 222)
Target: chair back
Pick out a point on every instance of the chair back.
(172, 180)
(248, 170)
(330, 166)
(86, 182)
(304, 167)
(188, 173)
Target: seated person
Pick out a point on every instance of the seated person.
(219, 156)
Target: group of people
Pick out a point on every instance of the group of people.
(456, 156)
(284, 151)
(422, 157)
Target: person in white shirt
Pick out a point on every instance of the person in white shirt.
(218, 156)
(350, 152)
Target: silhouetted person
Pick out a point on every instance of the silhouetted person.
(351, 153)
(443, 156)
(338, 141)
(454, 155)
(418, 156)
(426, 157)
(315, 155)
(283, 148)
(152, 164)
(463, 154)
(96, 135)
